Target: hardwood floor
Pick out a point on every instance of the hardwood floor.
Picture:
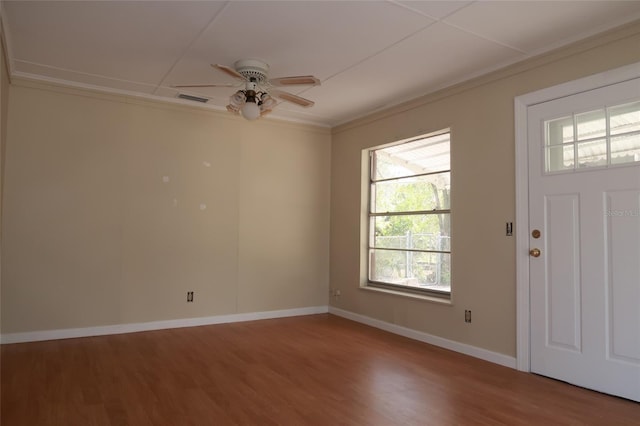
(313, 370)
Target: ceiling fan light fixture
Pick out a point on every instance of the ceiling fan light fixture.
(266, 102)
(238, 99)
(250, 110)
(233, 109)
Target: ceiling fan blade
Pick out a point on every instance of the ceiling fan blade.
(290, 97)
(204, 85)
(308, 80)
(229, 71)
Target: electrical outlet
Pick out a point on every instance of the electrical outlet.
(189, 296)
(467, 315)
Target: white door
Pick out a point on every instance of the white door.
(584, 199)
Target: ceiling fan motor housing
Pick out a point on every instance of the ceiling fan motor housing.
(253, 69)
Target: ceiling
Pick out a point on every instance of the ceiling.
(369, 55)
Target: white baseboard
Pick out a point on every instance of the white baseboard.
(68, 333)
(495, 357)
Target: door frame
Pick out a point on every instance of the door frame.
(521, 104)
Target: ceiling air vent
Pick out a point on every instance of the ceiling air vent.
(193, 98)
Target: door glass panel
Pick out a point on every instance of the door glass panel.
(593, 153)
(625, 149)
(600, 138)
(559, 158)
(591, 125)
(559, 131)
(624, 118)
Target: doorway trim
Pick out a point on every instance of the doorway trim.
(521, 104)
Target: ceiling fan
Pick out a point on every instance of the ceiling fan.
(256, 100)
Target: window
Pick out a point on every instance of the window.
(409, 217)
(601, 138)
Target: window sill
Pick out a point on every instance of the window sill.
(425, 297)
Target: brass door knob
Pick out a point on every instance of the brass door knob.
(534, 252)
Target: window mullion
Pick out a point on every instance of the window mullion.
(411, 213)
(408, 176)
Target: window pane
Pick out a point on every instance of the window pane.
(412, 194)
(559, 131)
(592, 154)
(624, 118)
(591, 125)
(420, 232)
(418, 270)
(559, 157)
(625, 149)
(426, 155)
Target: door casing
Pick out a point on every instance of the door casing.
(521, 103)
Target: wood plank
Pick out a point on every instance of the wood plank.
(312, 370)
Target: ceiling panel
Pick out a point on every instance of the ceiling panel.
(436, 9)
(429, 59)
(535, 25)
(137, 41)
(298, 38)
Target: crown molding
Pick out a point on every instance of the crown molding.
(22, 79)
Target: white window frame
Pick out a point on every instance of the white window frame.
(367, 247)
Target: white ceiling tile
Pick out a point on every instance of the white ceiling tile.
(536, 25)
(435, 57)
(137, 41)
(297, 38)
(435, 9)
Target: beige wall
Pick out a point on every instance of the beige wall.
(480, 115)
(115, 208)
